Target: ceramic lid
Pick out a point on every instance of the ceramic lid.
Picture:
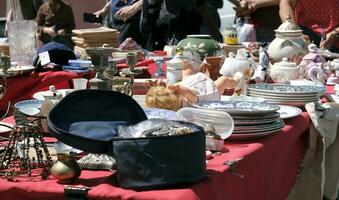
(288, 27)
(52, 93)
(285, 64)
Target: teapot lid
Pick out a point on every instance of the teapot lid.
(288, 26)
(285, 64)
(52, 92)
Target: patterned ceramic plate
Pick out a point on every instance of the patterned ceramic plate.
(286, 89)
(238, 107)
(252, 136)
(241, 98)
(287, 112)
(162, 113)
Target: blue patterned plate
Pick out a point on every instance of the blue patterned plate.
(238, 107)
(162, 113)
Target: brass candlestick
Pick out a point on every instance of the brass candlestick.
(16, 158)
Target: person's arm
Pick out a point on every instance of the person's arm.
(331, 38)
(104, 11)
(247, 7)
(40, 19)
(287, 9)
(129, 11)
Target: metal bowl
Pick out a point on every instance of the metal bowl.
(99, 55)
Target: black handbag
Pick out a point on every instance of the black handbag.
(142, 163)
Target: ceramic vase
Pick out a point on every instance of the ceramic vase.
(204, 45)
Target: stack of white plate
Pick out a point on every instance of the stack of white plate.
(294, 95)
(251, 119)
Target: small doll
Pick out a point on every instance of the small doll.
(192, 89)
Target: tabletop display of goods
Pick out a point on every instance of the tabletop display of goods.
(113, 123)
(153, 148)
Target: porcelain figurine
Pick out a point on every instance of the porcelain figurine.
(288, 42)
(260, 74)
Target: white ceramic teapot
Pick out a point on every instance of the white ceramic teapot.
(284, 71)
(239, 63)
(288, 42)
(51, 98)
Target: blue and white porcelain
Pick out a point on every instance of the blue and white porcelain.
(152, 113)
(238, 107)
(34, 103)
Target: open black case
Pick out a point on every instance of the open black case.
(142, 163)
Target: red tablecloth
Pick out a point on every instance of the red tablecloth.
(23, 87)
(269, 167)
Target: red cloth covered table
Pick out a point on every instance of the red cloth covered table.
(23, 87)
(269, 167)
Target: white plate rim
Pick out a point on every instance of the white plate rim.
(238, 98)
(297, 111)
(252, 136)
(4, 129)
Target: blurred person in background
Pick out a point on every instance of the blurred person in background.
(173, 20)
(158, 21)
(124, 15)
(213, 6)
(55, 23)
(264, 15)
(319, 20)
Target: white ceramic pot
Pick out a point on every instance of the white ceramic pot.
(286, 46)
(288, 42)
(174, 70)
(284, 71)
(239, 63)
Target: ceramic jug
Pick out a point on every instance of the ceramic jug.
(284, 71)
(239, 63)
(316, 74)
(174, 70)
(288, 42)
(310, 59)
